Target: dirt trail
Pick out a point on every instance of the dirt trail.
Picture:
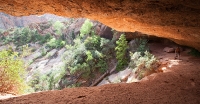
(178, 84)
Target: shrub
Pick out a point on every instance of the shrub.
(41, 39)
(102, 65)
(12, 73)
(47, 81)
(121, 52)
(56, 43)
(58, 26)
(86, 28)
(92, 42)
(75, 57)
(26, 51)
(22, 37)
(143, 65)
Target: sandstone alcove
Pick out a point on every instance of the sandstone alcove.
(162, 21)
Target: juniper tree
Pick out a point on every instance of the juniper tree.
(121, 52)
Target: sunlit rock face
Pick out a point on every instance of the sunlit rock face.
(178, 20)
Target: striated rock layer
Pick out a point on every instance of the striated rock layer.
(178, 20)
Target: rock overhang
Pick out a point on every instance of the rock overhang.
(177, 20)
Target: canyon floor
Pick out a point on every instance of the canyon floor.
(178, 83)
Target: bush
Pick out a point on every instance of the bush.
(22, 37)
(12, 73)
(102, 65)
(47, 81)
(143, 65)
(86, 28)
(75, 57)
(121, 52)
(44, 39)
(55, 43)
(26, 51)
(58, 26)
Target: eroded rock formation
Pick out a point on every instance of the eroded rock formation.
(178, 20)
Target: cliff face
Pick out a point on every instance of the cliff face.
(8, 21)
(178, 20)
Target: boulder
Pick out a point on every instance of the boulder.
(123, 75)
(132, 78)
(114, 78)
(169, 50)
(103, 82)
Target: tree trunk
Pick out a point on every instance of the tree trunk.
(102, 77)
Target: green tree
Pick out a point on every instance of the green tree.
(121, 52)
(86, 28)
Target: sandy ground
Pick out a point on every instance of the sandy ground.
(178, 84)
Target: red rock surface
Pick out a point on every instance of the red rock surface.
(178, 20)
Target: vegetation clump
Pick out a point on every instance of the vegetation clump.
(55, 43)
(58, 26)
(87, 53)
(12, 73)
(143, 65)
(23, 36)
(47, 81)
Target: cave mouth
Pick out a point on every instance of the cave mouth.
(38, 57)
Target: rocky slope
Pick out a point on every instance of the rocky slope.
(178, 20)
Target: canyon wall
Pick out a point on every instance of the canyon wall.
(9, 21)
